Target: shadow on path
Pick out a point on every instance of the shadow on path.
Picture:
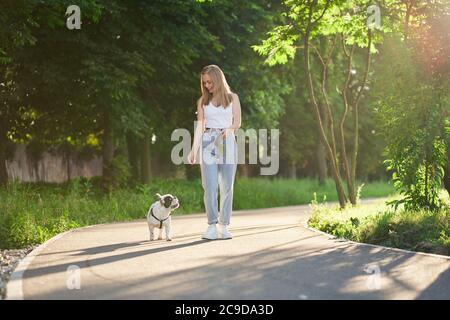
(86, 253)
(273, 273)
(439, 286)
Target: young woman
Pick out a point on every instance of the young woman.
(218, 116)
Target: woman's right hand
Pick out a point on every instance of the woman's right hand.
(191, 158)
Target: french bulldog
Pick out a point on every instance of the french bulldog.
(159, 215)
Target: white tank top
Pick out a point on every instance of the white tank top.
(218, 117)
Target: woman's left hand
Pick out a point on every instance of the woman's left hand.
(226, 132)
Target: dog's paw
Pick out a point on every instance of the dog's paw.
(159, 238)
(169, 239)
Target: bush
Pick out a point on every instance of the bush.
(417, 230)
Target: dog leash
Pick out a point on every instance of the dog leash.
(160, 221)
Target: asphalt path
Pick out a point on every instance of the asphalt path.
(272, 255)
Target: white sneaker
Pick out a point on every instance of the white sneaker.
(224, 232)
(211, 233)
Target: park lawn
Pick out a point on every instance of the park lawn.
(377, 223)
(32, 213)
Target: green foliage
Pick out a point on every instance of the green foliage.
(417, 176)
(133, 67)
(419, 230)
(120, 173)
(325, 32)
(261, 89)
(329, 18)
(410, 112)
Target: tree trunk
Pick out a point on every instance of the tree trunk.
(3, 171)
(68, 165)
(293, 171)
(157, 166)
(107, 153)
(243, 170)
(345, 161)
(447, 178)
(447, 172)
(133, 155)
(322, 168)
(355, 111)
(334, 163)
(145, 160)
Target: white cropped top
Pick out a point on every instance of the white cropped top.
(218, 117)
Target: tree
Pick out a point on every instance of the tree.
(337, 24)
(15, 15)
(415, 106)
(38, 90)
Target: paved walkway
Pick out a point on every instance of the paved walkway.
(271, 256)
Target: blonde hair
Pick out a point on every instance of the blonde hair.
(221, 86)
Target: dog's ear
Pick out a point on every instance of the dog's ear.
(160, 198)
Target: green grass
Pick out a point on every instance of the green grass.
(33, 213)
(256, 193)
(426, 231)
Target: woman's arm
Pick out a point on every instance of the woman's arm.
(200, 128)
(236, 113)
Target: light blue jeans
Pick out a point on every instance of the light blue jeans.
(218, 169)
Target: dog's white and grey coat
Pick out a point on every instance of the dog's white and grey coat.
(159, 215)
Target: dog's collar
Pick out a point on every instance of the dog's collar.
(160, 221)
